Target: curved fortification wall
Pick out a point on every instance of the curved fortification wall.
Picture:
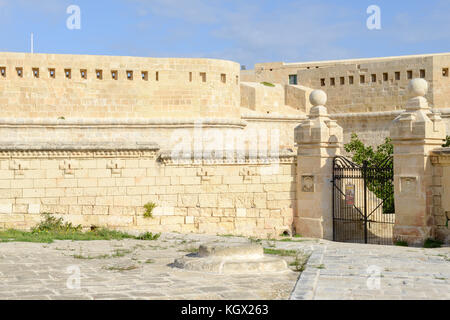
(81, 86)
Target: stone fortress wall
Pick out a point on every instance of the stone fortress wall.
(363, 85)
(91, 138)
(78, 143)
(364, 95)
(81, 86)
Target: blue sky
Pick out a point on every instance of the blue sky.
(246, 31)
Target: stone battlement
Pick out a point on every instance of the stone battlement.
(62, 86)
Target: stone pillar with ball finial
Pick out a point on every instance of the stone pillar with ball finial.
(414, 133)
(319, 140)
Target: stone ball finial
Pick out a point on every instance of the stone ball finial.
(418, 87)
(318, 98)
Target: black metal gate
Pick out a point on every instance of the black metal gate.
(363, 201)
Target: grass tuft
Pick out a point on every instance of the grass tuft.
(280, 252)
(149, 209)
(52, 228)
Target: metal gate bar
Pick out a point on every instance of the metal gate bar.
(363, 202)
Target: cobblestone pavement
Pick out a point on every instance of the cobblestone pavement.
(133, 269)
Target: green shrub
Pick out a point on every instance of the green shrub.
(380, 186)
(52, 224)
(401, 243)
(268, 84)
(447, 142)
(432, 243)
(149, 236)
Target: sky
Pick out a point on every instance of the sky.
(245, 31)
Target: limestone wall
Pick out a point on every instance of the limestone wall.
(108, 187)
(298, 97)
(440, 159)
(81, 86)
(368, 86)
(441, 81)
(384, 80)
(262, 98)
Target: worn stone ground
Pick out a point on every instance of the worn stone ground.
(133, 269)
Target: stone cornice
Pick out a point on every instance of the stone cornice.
(126, 123)
(77, 151)
(362, 115)
(272, 117)
(213, 158)
(440, 156)
(445, 113)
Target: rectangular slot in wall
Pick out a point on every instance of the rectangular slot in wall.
(83, 73)
(445, 72)
(293, 79)
(3, 72)
(342, 81)
(362, 79)
(99, 74)
(190, 76)
(397, 75)
(322, 82)
(409, 74)
(35, 72)
(157, 76)
(332, 82)
(51, 73)
(223, 78)
(203, 76)
(114, 75)
(68, 73)
(374, 77)
(350, 79)
(422, 73)
(144, 75)
(129, 74)
(19, 72)
(385, 76)
(237, 79)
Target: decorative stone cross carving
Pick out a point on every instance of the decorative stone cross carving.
(247, 172)
(116, 166)
(204, 174)
(18, 167)
(68, 166)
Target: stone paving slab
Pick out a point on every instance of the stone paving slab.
(134, 269)
(359, 271)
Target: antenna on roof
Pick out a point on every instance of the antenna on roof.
(32, 42)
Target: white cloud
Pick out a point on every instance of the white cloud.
(294, 31)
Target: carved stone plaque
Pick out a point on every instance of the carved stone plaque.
(408, 184)
(308, 183)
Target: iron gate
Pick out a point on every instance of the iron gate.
(363, 201)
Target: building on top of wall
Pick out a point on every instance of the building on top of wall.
(363, 85)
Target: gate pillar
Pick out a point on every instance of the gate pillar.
(414, 133)
(319, 140)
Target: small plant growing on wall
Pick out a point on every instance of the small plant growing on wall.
(149, 209)
(447, 142)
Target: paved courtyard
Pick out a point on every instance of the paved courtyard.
(133, 269)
